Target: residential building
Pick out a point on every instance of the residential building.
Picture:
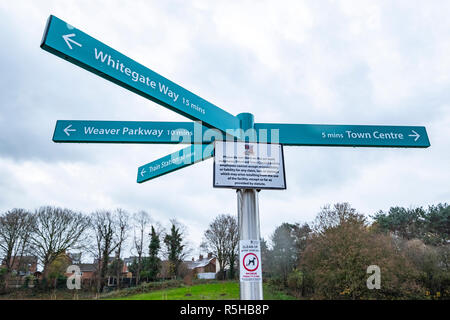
(203, 267)
(22, 265)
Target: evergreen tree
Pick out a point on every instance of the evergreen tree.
(430, 225)
(175, 247)
(284, 252)
(153, 263)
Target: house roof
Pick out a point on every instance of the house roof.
(23, 259)
(198, 263)
(129, 260)
(87, 267)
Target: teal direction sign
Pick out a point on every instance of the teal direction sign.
(77, 47)
(343, 135)
(177, 160)
(85, 131)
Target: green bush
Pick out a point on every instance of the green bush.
(276, 282)
(295, 282)
(2, 274)
(2, 279)
(337, 258)
(29, 281)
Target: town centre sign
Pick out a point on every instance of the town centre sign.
(210, 125)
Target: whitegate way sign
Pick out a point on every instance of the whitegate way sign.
(248, 165)
(67, 42)
(250, 261)
(257, 162)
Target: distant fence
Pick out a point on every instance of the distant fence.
(124, 282)
(111, 282)
(19, 283)
(206, 275)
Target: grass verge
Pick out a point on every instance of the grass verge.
(214, 290)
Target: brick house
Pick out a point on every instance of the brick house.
(203, 267)
(88, 270)
(23, 265)
(125, 263)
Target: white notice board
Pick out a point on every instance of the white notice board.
(248, 165)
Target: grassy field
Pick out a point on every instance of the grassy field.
(226, 290)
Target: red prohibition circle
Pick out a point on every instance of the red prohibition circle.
(257, 262)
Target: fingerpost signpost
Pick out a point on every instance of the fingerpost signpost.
(248, 156)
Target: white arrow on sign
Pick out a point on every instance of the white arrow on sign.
(414, 135)
(143, 172)
(68, 38)
(67, 129)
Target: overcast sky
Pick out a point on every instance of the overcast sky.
(321, 62)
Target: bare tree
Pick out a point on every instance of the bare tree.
(110, 232)
(222, 239)
(141, 221)
(15, 231)
(232, 244)
(103, 228)
(55, 231)
(122, 228)
(330, 217)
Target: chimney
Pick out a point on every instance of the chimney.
(192, 258)
(209, 255)
(200, 257)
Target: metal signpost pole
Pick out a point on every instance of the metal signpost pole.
(248, 216)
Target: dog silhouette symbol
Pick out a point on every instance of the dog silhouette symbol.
(251, 261)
